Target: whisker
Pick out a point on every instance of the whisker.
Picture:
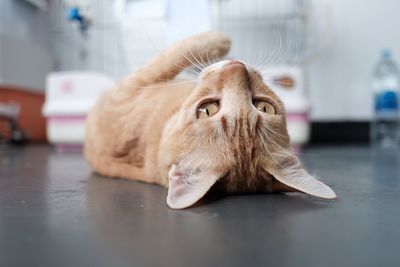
(184, 68)
(194, 65)
(273, 53)
(272, 56)
(262, 140)
(203, 64)
(270, 141)
(279, 50)
(198, 64)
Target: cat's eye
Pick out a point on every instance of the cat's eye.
(264, 106)
(207, 109)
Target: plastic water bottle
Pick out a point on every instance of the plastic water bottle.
(385, 125)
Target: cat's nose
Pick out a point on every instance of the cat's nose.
(234, 71)
(234, 79)
(235, 64)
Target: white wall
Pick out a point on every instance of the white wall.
(21, 20)
(339, 82)
(25, 56)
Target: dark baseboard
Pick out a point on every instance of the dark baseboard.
(340, 132)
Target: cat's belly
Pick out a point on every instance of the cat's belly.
(124, 131)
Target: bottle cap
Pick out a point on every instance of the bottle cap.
(386, 53)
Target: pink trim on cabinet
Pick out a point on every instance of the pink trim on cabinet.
(301, 117)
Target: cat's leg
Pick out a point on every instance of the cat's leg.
(198, 49)
(114, 167)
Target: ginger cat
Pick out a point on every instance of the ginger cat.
(226, 131)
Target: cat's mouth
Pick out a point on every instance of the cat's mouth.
(223, 188)
(231, 184)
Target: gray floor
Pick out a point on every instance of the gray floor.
(54, 212)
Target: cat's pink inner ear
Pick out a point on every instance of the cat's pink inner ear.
(294, 175)
(187, 186)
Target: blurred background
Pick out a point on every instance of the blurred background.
(320, 56)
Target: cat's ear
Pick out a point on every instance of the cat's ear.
(288, 170)
(187, 186)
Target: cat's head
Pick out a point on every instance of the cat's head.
(231, 134)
